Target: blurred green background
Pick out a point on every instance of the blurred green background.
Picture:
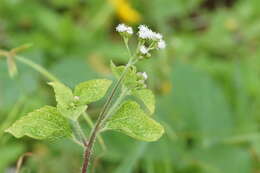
(207, 82)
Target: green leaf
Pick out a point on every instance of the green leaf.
(131, 78)
(68, 105)
(72, 111)
(63, 94)
(92, 90)
(44, 123)
(147, 97)
(131, 120)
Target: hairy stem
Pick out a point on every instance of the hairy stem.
(99, 122)
(78, 132)
(91, 124)
(116, 104)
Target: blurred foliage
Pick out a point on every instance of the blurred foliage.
(207, 81)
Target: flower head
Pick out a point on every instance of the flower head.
(161, 44)
(145, 76)
(146, 33)
(157, 36)
(122, 28)
(144, 50)
(142, 77)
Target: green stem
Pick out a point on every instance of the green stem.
(78, 132)
(101, 117)
(126, 45)
(37, 67)
(118, 101)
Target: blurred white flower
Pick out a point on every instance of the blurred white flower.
(76, 97)
(161, 44)
(144, 32)
(144, 50)
(157, 36)
(122, 28)
(145, 76)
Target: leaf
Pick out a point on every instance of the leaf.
(63, 94)
(147, 97)
(131, 77)
(72, 111)
(92, 90)
(44, 123)
(131, 120)
(67, 105)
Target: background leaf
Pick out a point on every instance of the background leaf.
(10, 154)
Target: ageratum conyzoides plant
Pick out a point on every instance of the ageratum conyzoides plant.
(120, 112)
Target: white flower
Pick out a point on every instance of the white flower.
(130, 30)
(76, 97)
(145, 76)
(157, 36)
(144, 50)
(122, 28)
(161, 44)
(144, 32)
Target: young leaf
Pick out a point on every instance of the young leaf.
(67, 104)
(44, 123)
(131, 77)
(131, 120)
(72, 111)
(92, 90)
(147, 97)
(63, 94)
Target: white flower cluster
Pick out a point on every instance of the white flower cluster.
(144, 50)
(122, 28)
(161, 44)
(145, 34)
